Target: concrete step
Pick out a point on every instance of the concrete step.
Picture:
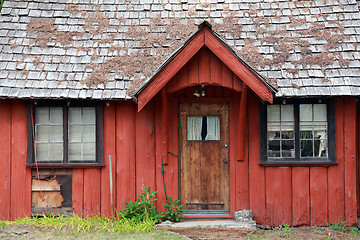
(209, 223)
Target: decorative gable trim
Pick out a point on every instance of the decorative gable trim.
(204, 37)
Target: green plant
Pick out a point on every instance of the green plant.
(142, 209)
(285, 230)
(174, 210)
(339, 226)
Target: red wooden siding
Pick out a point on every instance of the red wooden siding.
(306, 195)
(5, 162)
(15, 179)
(277, 195)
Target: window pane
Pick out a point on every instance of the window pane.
(274, 127)
(42, 133)
(194, 126)
(56, 115)
(82, 134)
(74, 115)
(287, 130)
(89, 115)
(74, 152)
(280, 133)
(274, 148)
(89, 134)
(306, 148)
(89, 152)
(213, 128)
(273, 113)
(42, 115)
(75, 132)
(305, 112)
(320, 126)
(56, 152)
(48, 131)
(56, 133)
(287, 113)
(42, 150)
(320, 112)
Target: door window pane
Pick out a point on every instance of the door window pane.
(203, 128)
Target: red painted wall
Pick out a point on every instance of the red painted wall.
(276, 195)
(15, 178)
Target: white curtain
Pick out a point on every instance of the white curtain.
(213, 128)
(194, 126)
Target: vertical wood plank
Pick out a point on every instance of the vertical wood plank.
(226, 76)
(204, 66)
(5, 149)
(350, 161)
(78, 191)
(159, 153)
(278, 196)
(193, 71)
(318, 196)
(145, 148)
(171, 170)
(238, 84)
(20, 174)
(164, 129)
(92, 192)
(125, 153)
(256, 172)
(242, 125)
(215, 70)
(109, 149)
(336, 173)
(239, 177)
(301, 196)
(179, 81)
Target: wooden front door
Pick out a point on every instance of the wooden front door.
(204, 162)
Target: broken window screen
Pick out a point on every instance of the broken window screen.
(82, 134)
(313, 130)
(203, 128)
(280, 131)
(49, 134)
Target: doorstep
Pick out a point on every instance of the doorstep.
(207, 224)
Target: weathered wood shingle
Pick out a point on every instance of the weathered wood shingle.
(95, 49)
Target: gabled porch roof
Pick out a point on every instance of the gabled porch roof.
(204, 36)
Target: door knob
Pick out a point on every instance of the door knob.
(225, 160)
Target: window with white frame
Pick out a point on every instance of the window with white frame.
(298, 132)
(68, 135)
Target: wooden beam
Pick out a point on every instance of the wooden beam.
(171, 69)
(242, 124)
(164, 126)
(242, 71)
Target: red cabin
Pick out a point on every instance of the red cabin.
(255, 110)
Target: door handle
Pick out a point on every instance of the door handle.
(225, 160)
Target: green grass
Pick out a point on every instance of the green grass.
(74, 227)
(78, 224)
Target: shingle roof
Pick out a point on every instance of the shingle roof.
(53, 48)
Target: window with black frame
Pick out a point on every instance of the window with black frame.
(66, 135)
(298, 133)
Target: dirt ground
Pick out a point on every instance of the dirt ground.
(15, 232)
(290, 233)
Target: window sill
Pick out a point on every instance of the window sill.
(69, 165)
(297, 164)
